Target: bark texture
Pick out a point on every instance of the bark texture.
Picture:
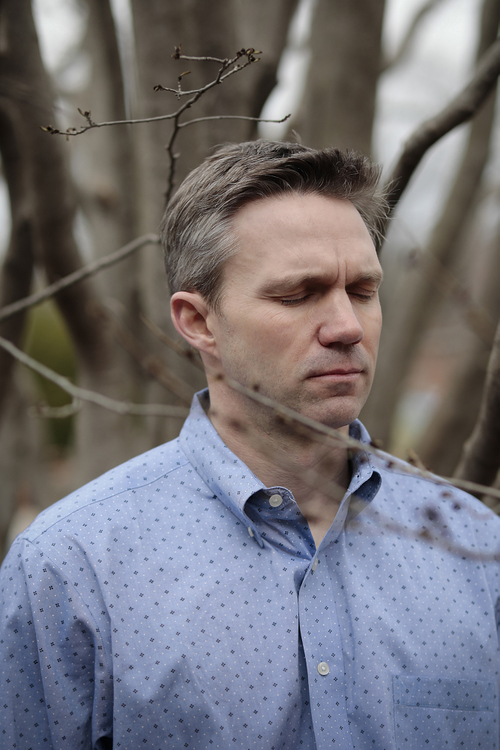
(418, 294)
(339, 101)
(215, 29)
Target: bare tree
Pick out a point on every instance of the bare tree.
(481, 455)
(417, 296)
(119, 321)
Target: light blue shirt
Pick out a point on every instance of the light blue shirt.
(178, 603)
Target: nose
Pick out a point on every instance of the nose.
(339, 323)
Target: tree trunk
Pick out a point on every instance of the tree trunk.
(339, 102)
(107, 184)
(441, 445)
(480, 459)
(404, 331)
(214, 29)
(28, 89)
(264, 26)
(17, 271)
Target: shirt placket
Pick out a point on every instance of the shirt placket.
(322, 644)
(320, 626)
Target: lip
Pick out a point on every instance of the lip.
(338, 373)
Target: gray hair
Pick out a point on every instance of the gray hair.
(196, 230)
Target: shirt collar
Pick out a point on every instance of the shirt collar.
(225, 474)
(234, 483)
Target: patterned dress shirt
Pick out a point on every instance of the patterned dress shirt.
(176, 602)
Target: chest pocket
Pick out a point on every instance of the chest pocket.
(444, 714)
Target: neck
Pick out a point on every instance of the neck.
(315, 473)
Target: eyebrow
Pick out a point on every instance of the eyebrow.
(284, 284)
(373, 277)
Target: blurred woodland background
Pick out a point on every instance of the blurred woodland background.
(370, 75)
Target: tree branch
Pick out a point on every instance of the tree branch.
(195, 95)
(317, 431)
(231, 117)
(461, 109)
(73, 278)
(82, 394)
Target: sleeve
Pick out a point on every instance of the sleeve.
(55, 685)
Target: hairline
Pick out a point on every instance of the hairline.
(197, 229)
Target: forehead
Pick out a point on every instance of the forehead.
(301, 232)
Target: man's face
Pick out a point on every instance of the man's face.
(300, 314)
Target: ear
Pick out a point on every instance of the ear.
(190, 317)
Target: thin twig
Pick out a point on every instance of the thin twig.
(45, 411)
(328, 434)
(231, 117)
(195, 95)
(334, 437)
(121, 407)
(431, 532)
(221, 76)
(76, 276)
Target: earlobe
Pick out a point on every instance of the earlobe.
(190, 317)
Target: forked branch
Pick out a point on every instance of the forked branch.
(461, 109)
(228, 67)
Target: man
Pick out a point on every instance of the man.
(257, 583)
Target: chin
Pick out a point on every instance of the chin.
(336, 415)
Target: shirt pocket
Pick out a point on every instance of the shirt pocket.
(444, 714)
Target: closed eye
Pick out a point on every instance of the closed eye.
(364, 296)
(295, 301)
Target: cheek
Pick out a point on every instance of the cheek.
(269, 329)
(372, 327)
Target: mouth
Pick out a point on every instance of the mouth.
(340, 373)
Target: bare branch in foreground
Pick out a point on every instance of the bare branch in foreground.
(121, 407)
(45, 411)
(329, 435)
(73, 278)
(462, 108)
(315, 430)
(433, 531)
(228, 67)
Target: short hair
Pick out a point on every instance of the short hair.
(196, 230)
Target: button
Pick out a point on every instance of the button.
(315, 564)
(275, 501)
(323, 668)
(250, 531)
